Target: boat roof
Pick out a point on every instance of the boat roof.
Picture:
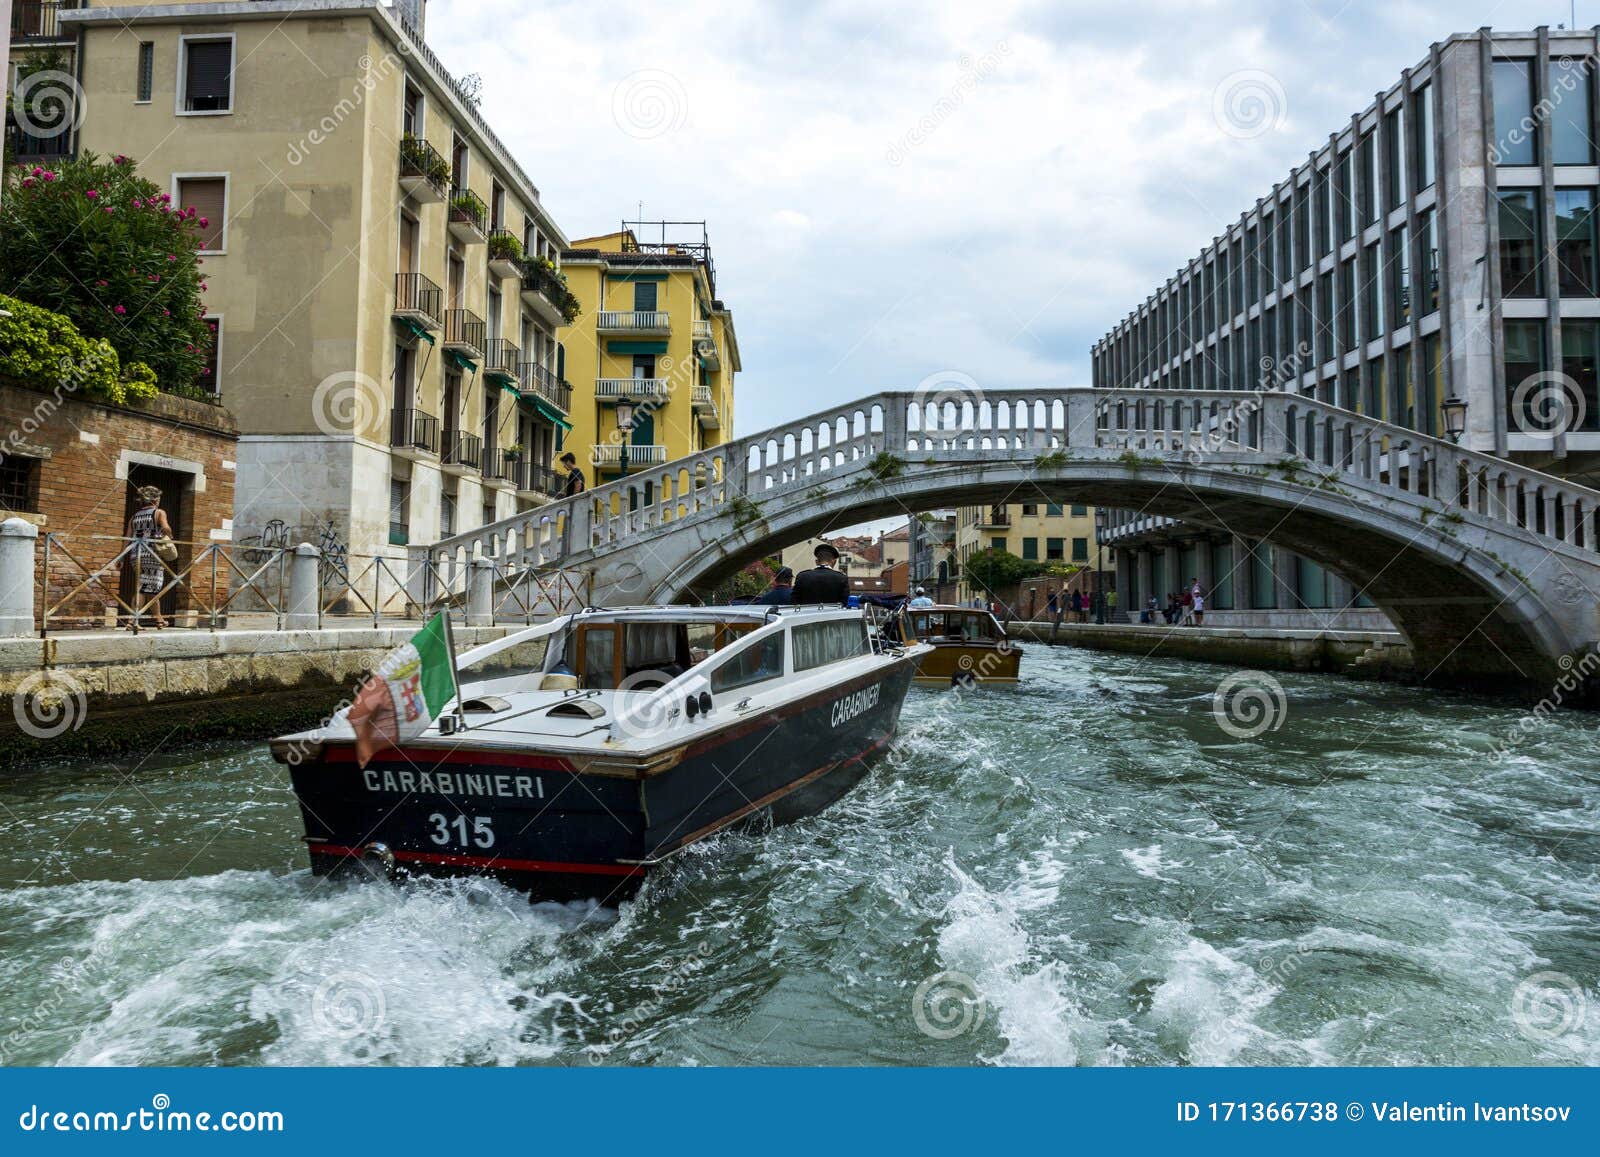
(751, 612)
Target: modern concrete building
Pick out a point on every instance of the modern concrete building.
(1440, 247)
(384, 281)
(654, 344)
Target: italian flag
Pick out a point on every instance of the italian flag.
(407, 692)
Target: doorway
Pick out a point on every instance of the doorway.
(177, 501)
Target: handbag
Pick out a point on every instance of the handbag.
(165, 549)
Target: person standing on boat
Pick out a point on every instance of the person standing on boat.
(921, 601)
(781, 592)
(821, 584)
(149, 522)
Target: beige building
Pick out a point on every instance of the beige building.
(384, 281)
(1057, 537)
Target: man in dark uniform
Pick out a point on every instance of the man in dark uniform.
(781, 591)
(821, 584)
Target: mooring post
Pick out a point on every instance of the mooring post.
(304, 565)
(17, 541)
(480, 592)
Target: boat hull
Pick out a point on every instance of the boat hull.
(950, 663)
(557, 829)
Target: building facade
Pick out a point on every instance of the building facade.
(385, 290)
(654, 336)
(931, 554)
(1058, 538)
(1440, 246)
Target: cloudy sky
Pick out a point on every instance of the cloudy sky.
(896, 190)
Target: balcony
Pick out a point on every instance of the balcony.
(418, 300)
(632, 389)
(465, 332)
(544, 293)
(469, 217)
(502, 359)
(996, 518)
(705, 408)
(49, 148)
(609, 457)
(633, 321)
(705, 346)
(497, 467)
(463, 453)
(538, 382)
(35, 20)
(536, 480)
(424, 174)
(415, 431)
(505, 254)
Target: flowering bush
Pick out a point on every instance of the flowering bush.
(93, 241)
(43, 349)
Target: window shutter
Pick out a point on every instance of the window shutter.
(207, 197)
(147, 64)
(207, 83)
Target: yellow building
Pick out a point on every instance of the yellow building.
(653, 334)
(1051, 535)
(384, 282)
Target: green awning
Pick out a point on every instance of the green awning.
(510, 387)
(545, 410)
(415, 329)
(636, 347)
(461, 361)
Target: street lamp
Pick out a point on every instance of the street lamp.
(625, 427)
(1100, 520)
(1455, 417)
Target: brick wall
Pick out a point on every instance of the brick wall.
(81, 459)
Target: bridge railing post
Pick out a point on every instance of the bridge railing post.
(895, 431)
(1081, 421)
(1274, 416)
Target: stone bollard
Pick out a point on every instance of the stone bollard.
(17, 539)
(303, 611)
(480, 593)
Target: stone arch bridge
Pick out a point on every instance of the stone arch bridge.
(1492, 571)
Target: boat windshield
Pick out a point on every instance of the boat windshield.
(644, 655)
(965, 626)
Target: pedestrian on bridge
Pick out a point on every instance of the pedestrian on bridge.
(575, 483)
(821, 584)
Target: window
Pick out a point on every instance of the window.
(1524, 359)
(1394, 157)
(1579, 347)
(1344, 204)
(447, 515)
(488, 518)
(1077, 511)
(145, 80)
(1283, 257)
(1053, 510)
(1432, 385)
(753, 664)
(411, 111)
(1080, 550)
(1400, 400)
(1428, 230)
(818, 644)
(205, 71)
(1371, 297)
(1055, 549)
(1575, 250)
(207, 195)
(1399, 277)
(1519, 243)
(644, 296)
(1302, 229)
(1030, 549)
(1347, 306)
(997, 543)
(1029, 509)
(1369, 179)
(19, 484)
(1570, 125)
(399, 507)
(1422, 125)
(1323, 179)
(211, 372)
(1325, 343)
(1373, 406)
(1514, 134)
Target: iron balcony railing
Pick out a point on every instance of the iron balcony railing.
(632, 319)
(55, 146)
(497, 465)
(421, 161)
(631, 388)
(537, 380)
(702, 398)
(463, 450)
(465, 331)
(994, 518)
(502, 358)
(537, 279)
(702, 331)
(417, 297)
(36, 19)
(467, 208)
(416, 429)
(504, 246)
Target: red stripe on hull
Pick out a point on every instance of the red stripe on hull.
(487, 862)
(433, 756)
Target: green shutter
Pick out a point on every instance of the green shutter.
(636, 347)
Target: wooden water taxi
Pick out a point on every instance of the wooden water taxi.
(967, 646)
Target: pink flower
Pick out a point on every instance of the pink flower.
(204, 224)
(47, 175)
(108, 209)
(172, 257)
(166, 313)
(92, 194)
(138, 204)
(165, 197)
(119, 309)
(101, 284)
(27, 182)
(37, 171)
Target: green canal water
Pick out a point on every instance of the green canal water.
(1087, 870)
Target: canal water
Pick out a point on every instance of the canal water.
(1087, 870)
